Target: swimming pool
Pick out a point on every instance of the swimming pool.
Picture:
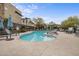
(36, 36)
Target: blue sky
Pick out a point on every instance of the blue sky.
(56, 12)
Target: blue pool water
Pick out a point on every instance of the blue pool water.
(36, 36)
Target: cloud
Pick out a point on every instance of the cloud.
(32, 6)
(47, 19)
(26, 9)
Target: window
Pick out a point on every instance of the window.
(6, 8)
(18, 13)
(23, 21)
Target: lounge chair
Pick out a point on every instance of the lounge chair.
(3, 36)
(77, 32)
(5, 33)
(51, 34)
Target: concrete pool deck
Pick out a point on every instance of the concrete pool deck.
(64, 45)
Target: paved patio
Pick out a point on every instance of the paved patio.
(64, 45)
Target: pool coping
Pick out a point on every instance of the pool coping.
(24, 33)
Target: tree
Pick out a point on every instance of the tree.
(39, 22)
(70, 22)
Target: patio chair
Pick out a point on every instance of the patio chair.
(77, 32)
(6, 33)
(70, 30)
(3, 35)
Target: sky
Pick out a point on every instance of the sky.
(56, 12)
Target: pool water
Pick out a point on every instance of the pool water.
(36, 36)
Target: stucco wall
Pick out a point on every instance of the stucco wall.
(1, 10)
(10, 10)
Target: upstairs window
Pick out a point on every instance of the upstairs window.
(18, 13)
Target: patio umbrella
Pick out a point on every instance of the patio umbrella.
(1, 23)
(10, 22)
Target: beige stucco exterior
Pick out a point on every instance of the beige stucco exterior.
(28, 22)
(7, 9)
(24, 21)
(1, 10)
